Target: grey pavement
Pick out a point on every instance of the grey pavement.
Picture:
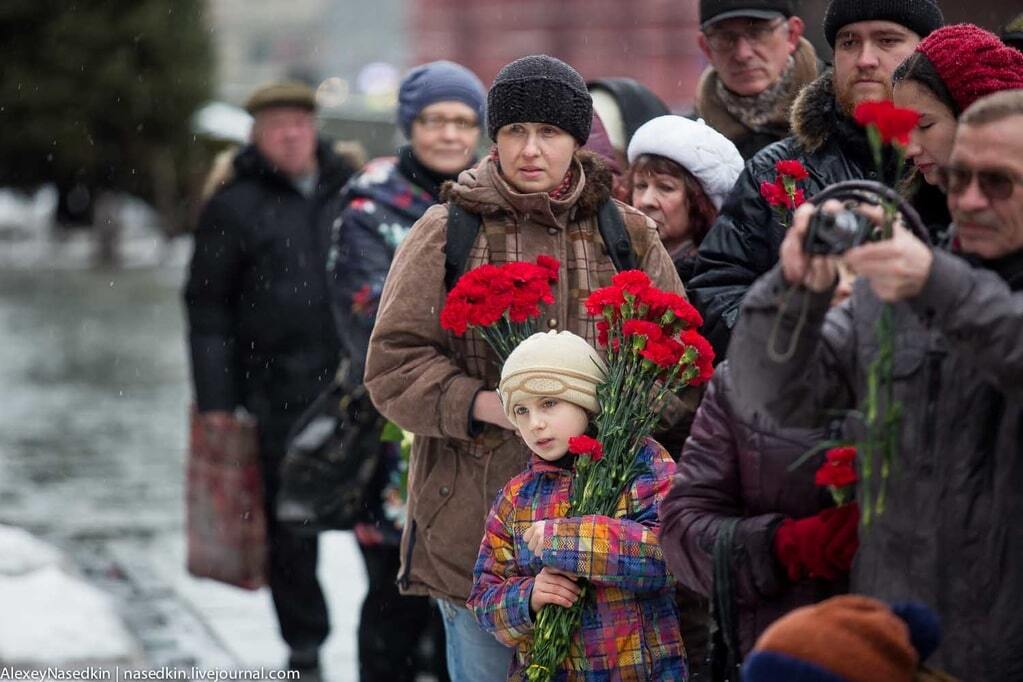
(92, 441)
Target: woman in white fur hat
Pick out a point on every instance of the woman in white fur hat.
(680, 173)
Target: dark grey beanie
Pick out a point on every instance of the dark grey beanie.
(540, 89)
(919, 16)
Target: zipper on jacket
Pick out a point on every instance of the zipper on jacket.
(403, 579)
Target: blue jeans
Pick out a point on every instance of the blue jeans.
(473, 654)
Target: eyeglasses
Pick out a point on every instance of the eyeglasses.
(438, 122)
(757, 33)
(996, 185)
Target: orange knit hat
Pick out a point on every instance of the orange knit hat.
(851, 638)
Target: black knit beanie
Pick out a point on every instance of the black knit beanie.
(919, 16)
(540, 89)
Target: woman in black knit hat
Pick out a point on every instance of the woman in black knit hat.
(537, 193)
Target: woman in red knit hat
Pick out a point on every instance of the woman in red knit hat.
(951, 68)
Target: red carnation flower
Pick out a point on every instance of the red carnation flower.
(704, 362)
(844, 455)
(791, 168)
(837, 475)
(774, 193)
(631, 281)
(603, 327)
(551, 265)
(893, 124)
(655, 301)
(650, 330)
(600, 300)
(684, 312)
(796, 200)
(587, 447)
(663, 354)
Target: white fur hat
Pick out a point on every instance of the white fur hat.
(707, 154)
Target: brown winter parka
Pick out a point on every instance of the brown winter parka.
(425, 379)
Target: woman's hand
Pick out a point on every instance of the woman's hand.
(553, 587)
(487, 407)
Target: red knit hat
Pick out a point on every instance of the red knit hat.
(972, 62)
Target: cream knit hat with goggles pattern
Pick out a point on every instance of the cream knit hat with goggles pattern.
(556, 364)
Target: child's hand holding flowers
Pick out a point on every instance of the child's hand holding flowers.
(553, 587)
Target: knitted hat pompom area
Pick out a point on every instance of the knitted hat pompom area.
(972, 62)
(850, 638)
(540, 89)
(556, 364)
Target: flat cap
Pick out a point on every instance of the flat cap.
(281, 94)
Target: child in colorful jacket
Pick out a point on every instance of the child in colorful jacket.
(532, 555)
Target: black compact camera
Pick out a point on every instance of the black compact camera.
(832, 234)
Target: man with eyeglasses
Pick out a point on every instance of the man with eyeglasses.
(870, 38)
(759, 61)
(949, 535)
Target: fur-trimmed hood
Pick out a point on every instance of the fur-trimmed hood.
(814, 113)
(483, 191)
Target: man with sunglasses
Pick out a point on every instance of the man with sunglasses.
(949, 535)
(759, 61)
(870, 38)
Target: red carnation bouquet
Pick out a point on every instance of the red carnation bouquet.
(653, 350)
(501, 302)
(784, 195)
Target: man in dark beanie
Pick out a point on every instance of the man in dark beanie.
(870, 38)
(759, 61)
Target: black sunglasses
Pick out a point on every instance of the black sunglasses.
(996, 185)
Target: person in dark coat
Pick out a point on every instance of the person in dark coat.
(733, 467)
(949, 534)
(870, 39)
(759, 61)
(440, 109)
(622, 105)
(260, 328)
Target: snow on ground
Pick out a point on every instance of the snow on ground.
(50, 617)
(21, 552)
(245, 622)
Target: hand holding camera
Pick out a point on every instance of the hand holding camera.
(897, 268)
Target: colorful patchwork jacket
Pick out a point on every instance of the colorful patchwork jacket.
(630, 627)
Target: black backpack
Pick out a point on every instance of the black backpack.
(464, 226)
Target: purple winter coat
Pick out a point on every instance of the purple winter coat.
(731, 468)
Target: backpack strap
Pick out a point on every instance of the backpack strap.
(616, 237)
(462, 230)
(463, 227)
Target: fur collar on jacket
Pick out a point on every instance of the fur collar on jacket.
(477, 191)
(815, 112)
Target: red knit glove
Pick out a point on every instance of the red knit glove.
(820, 546)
